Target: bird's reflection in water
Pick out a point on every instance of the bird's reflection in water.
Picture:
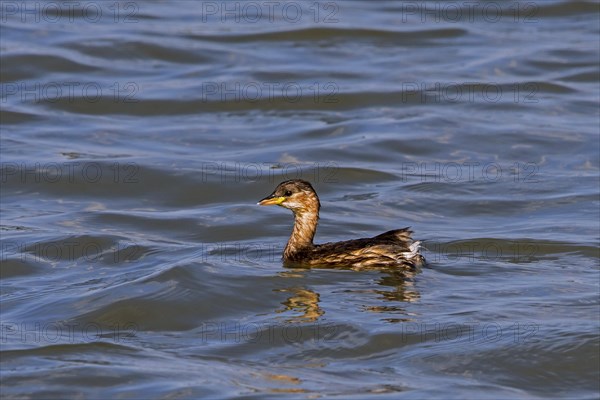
(303, 301)
(398, 287)
(402, 284)
(402, 291)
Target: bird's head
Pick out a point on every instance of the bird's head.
(296, 194)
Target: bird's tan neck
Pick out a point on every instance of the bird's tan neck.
(305, 226)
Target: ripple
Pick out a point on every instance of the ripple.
(517, 250)
(311, 34)
(69, 349)
(117, 49)
(37, 65)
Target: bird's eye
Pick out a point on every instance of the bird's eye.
(287, 193)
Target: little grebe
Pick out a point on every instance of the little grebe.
(390, 249)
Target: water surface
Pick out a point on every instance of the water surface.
(137, 138)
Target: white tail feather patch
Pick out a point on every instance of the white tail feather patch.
(414, 251)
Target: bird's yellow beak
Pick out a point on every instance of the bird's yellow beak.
(271, 201)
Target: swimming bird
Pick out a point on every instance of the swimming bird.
(395, 248)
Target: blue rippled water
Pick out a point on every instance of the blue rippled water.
(137, 137)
